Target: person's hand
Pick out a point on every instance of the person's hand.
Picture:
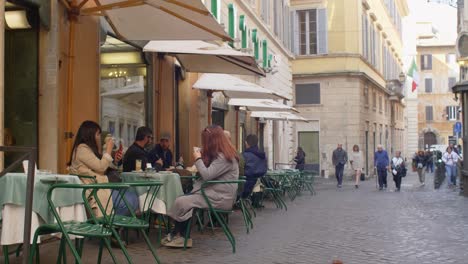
(118, 156)
(196, 154)
(109, 145)
(160, 162)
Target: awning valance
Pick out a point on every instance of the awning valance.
(233, 87)
(260, 105)
(157, 19)
(268, 115)
(201, 56)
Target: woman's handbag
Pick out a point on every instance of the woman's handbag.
(363, 176)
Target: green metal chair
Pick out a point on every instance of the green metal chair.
(142, 223)
(89, 229)
(218, 213)
(275, 192)
(308, 178)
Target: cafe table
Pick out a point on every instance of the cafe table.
(69, 204)
(170, 190)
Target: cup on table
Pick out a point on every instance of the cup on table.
(138, 165)
(196, 149)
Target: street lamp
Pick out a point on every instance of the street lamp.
(402, 78)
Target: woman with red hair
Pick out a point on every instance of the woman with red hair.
(218, 160)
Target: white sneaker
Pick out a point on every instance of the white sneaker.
(167, 239)
(422, 184)
(178, 242)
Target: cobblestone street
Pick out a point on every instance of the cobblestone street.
(417, 225)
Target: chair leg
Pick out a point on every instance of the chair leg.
(200, 221)
(121, 245)
(226, 230)
(72, 248)
(187, 231)
(244, 214)
(101, 245)
(5, 254)
(61, 251)
(150, 246)
(210, 218)
(18, 250)
(109, 249)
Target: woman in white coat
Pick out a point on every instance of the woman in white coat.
(356, 160)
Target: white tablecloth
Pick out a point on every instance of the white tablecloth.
(13, 221)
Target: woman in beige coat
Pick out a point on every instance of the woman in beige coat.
(218, 161)
(357, 163)
(86, 159)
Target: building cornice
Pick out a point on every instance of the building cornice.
(265, 30)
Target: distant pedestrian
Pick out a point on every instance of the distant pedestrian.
(450, 159)
(300, 159)
(398, 169)
(357, 162)
(339, 159)
(381, 163)
(430, 162)
(421, 162)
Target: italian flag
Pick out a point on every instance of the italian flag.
(413, 73)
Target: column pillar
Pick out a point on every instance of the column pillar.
(2, 77)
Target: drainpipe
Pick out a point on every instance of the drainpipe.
(2, 79)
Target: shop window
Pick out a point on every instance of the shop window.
(122, 88)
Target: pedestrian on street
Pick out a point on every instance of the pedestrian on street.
(421, 162)
(450, 159)
(339, 159)
(430, 162)
(356, 160)
(398, 169)
(381, 163)
(300, 159)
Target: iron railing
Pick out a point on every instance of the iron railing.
(30, 155)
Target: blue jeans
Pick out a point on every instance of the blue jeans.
(451, 174)
(339, 168)
(119, 205)
(382, 174)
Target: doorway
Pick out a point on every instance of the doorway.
(309, 141)
(430, 139)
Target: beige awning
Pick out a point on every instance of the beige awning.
(268, 115)
(233, 87)
(201, 56)
(260, 105)
(156, 19)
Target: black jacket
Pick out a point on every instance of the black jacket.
(255, 163)
(158, 153)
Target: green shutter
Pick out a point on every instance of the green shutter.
(265, 53)
(243, 29)
(231, 25)
(214, 8)
(256, 43)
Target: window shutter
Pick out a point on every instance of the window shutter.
(322, 31)
(428, 85)
(458, 112)
(423, 66)
(294, 33)
(429, 62)
(447, 111)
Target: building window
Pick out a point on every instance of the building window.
(428, 85)
(426, 62)
(429, 113)
(452, 113)
(308, 93)
(451, 58)
(310, 32)
(366, 96)
(451, 82)
(380, 104)
(374, 100)
(265, 14)
(386, 107)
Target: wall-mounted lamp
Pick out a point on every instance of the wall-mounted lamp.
(17, 19)
(402, 77)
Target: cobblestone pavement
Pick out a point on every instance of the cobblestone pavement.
(417, 225)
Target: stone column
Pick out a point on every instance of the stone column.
(2, 77)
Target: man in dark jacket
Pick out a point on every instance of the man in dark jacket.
(136, 151)
(381, 163)
(162, 151)
(255, 164)
(339, 159)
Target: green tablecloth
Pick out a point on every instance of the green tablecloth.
(13, 188)
(171, 189)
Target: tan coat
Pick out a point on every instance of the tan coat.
(221, 196)
(357, 160)
(85, 162)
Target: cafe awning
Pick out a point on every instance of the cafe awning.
(201, 56)
(260, 105)
(155, 19)
(233, 87)
(268, 115)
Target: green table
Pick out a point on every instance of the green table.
(13, 188)
(171, 189)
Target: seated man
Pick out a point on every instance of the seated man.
(137, 151)
(255, 164)
(161, 152)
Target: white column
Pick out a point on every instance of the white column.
(2, 77)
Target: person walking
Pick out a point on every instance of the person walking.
(398, 170)
(450, 158)
(421, 162)
(356, 160)
(430, 162)
(300, 159)
(339, 159)
(381, 163)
